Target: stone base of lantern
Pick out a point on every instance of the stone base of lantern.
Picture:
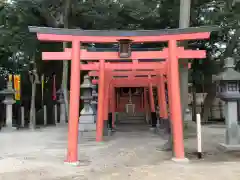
(62, 119)
(87, 127)
(87, 123)
(9, 119)
(228, 147)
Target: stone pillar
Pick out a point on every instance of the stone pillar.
(232, 129)
(8, 101)
(87, 122)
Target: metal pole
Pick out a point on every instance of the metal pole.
(199, 136)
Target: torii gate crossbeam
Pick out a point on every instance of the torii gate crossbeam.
(138, 55)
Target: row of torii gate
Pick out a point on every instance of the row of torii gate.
(98, 65)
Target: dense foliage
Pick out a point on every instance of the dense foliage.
(17, 45)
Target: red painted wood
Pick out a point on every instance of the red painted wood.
(106, 98)
(134, 39)
(162, 99)
(56, 56)
(72, 151)
(175, 101)
(113, 105)
(146, 103)
(124, 66)
(135, 82)
(151, 98)
(100, 110)
(137, 55)
(127, 73)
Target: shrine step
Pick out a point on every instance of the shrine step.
(138, 118)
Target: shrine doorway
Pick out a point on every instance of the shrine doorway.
(130, 108)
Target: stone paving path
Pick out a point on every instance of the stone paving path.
(28, 155)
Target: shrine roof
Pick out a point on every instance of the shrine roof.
(122, 33)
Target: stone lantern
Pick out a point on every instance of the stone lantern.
(87, 116)
(229, 91)
(8, 101)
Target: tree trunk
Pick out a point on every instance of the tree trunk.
(65, 84)
(231, 45)
(211, 87)
(65, 63)
(208, 101)
(184, 21)
(32, 123)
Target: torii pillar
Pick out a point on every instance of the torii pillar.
(175, 102)
(152, 106)
(112, 104)
(146, 104)
(106, 106)
(72, 154)
(162, 103)
(100, 115)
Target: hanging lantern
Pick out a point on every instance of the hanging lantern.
(125, 48)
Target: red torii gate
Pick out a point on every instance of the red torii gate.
(131, 81)
(111, 83)
(90, 36)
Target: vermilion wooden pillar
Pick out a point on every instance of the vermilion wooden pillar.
(152, 105)
(113, 105)
(162, 98)
(151, 98)
(100, 115)
(146, 104)
(175, 103)
(72, 154)
(106, 99)
(106, 106)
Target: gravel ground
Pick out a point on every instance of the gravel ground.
(127, 155)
